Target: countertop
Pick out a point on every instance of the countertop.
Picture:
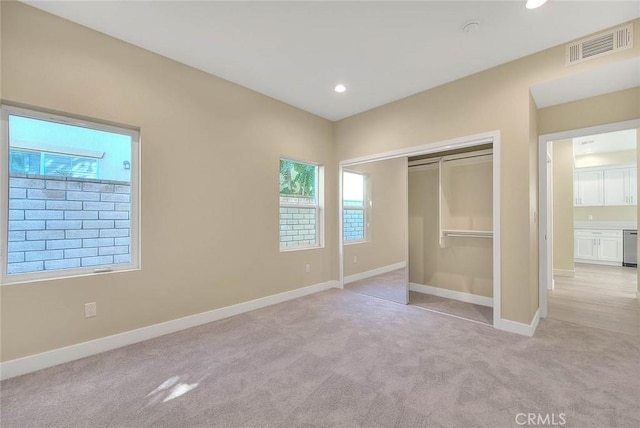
(612, 225)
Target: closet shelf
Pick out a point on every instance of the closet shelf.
(467, 233)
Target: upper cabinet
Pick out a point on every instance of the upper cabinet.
(588, 187)
(609, 186)
(633, 185)
(620, 186)
(616, 186)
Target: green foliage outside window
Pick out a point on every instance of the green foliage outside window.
(297, 179)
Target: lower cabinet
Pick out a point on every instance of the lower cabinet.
(598, 246)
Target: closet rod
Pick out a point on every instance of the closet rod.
(470, 155)
(468, 235)
(423, 162)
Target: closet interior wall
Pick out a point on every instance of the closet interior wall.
(457, 263)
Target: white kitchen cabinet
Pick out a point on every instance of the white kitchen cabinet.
(585, 248)
(598, 246)
(620, 186)
(610, 249)
(588, 187)
(605, 186)
(616, 190)
(633, 185)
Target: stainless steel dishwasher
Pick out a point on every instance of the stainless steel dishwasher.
(630, 247)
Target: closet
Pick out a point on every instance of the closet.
(450, 232)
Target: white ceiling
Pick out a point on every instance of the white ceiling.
(604, 143)
(297, 52)
(598, 81)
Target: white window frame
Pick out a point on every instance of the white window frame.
(318, 206)
(363, 208)
(134, 214)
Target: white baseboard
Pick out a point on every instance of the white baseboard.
(373, 272)
(520, 328)
(564, 272)
(32, 363)
(450, 294)
(597, 262)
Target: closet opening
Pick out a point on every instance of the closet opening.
(422, 227)
(451, 232)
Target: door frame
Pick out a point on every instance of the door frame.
(492, 137)
(545, 263)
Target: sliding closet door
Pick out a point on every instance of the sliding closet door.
(375, 229)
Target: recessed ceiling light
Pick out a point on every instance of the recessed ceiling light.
(533, 4)
(340, 88)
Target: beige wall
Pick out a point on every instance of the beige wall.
(467, 197)
(386, 188)
(1, 93)
(465, 264)
(496, 99)
(533, 296)
(203, 139)
(609, 108)
(563, 206)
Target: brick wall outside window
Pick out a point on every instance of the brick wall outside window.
(61, 223)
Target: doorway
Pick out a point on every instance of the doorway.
(588, 206)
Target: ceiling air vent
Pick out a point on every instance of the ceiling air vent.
(601, 44)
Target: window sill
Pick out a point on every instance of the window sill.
(364, 241)
(7, 280)
(289, 250)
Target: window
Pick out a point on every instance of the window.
(354, 208)
(299, 205)
(69, 197)
(42, 163)
(21, 162)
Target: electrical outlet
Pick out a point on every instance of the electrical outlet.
(307, 268)
(355, 259)
(90, 310)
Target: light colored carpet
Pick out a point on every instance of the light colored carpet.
(389, 286)
(466, 310)
(340, 359)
